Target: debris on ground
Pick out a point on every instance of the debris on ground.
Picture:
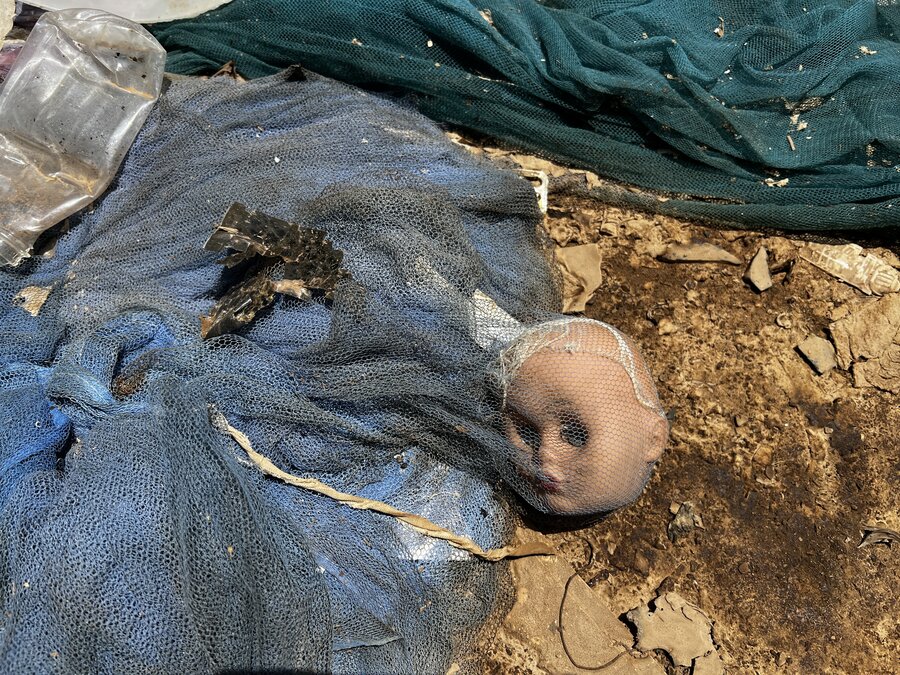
(850, 263)
(685, 521)
(758, 401)
(559, 625)
(819, 352)
(32, 298)
(878, 535)
(868, 340)
(698, 252)
(735, 461)
(581, 274)
(676, 626)
(757, 273)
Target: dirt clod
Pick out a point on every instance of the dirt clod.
(819, 353)
(676, 626)
(684, 522)
(757, 273)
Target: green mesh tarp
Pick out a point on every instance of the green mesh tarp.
(764, 114)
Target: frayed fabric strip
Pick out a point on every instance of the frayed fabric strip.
(418, 523)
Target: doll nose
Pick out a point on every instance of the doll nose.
(550, 455)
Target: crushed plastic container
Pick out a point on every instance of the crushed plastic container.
(70, 108)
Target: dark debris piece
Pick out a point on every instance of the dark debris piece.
(238, 306)
(685, 521)
(264, 243)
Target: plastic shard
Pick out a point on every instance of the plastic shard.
(757, 273)
(582, 276)
(851, 264)
(699, 252)
(819, 352)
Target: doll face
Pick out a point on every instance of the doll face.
(583, 443)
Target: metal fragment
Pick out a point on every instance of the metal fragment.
(239, 306)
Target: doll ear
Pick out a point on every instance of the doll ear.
(658, 437)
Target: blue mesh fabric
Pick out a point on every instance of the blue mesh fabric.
(138, 538)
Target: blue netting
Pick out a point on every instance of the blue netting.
(136, 536)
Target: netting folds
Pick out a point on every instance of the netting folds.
(137, 536)
(763, 114)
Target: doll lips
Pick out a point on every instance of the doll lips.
(547, 484)
(541, 482)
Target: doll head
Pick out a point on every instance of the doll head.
(582, 416)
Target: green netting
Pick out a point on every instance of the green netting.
(776, 114)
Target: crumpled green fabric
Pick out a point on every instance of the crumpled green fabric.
(780, 114)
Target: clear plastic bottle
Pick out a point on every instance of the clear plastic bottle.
(70, 108)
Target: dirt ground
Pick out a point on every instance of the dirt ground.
(784, 466)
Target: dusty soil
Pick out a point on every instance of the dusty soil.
(784, 466)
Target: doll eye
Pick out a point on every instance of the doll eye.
(528, 433)
(574, 432)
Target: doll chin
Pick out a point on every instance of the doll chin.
(559, 501)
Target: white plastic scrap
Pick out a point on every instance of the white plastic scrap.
(850, 263)
(541, 185)
(140, 11)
